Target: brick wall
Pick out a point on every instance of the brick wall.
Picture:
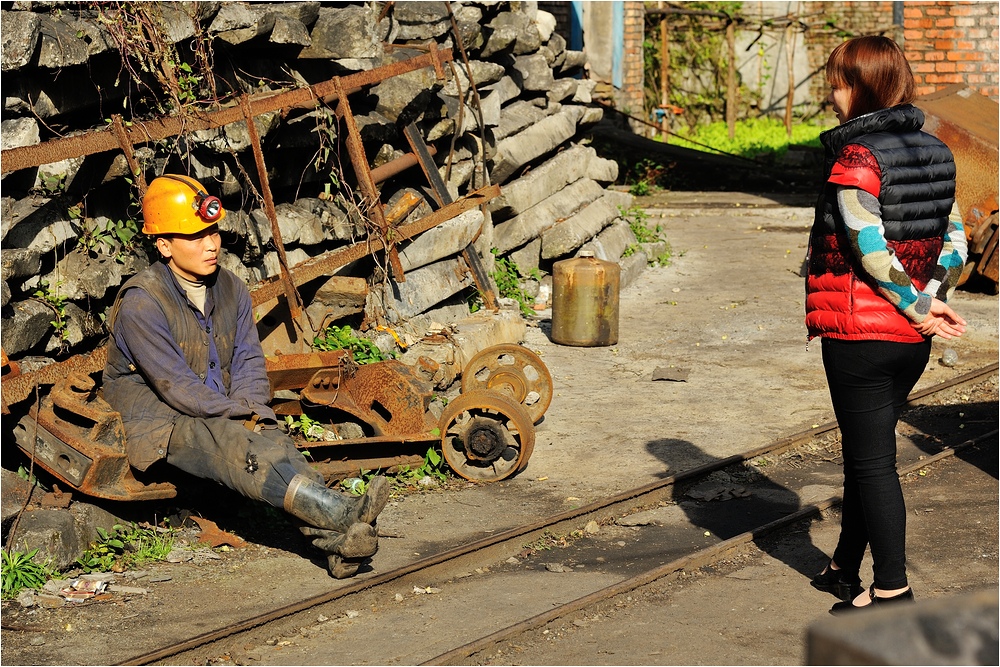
(632, 94)
(845, 18)
(952, 42)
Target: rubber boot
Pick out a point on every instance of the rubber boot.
(319, 506)
(359, 541)
(341, 568)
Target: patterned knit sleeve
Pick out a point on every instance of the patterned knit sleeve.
(862, 215)
(951, 261)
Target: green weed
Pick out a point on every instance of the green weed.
(508, 277)
(125, 547)
(51, 297)
(342, 338)
(20, 571)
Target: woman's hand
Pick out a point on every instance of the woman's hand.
(941, 321)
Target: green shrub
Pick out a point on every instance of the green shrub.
(753, 138)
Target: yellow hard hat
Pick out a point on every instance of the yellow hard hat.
(176, 204)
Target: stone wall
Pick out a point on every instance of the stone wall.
(64, 224)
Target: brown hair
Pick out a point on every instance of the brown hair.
(875, 69)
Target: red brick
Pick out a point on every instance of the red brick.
(935, 11)
(975, 78)
(912, 34)
(967, 67)
(934, 55)
(944, 44)
(945, 67)
(962, 45)
(966, 55)
(922, 67)
(944, 78)
(910, 12)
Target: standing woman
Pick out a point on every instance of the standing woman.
(885, 252)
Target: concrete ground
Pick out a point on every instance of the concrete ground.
(727, 312)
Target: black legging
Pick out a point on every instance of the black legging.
(869, 382)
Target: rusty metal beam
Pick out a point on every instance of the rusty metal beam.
(292, 294)
(17, 389)
(397, 166)
(331, 261)
(356, 151)
(443, 197)
(105, 139)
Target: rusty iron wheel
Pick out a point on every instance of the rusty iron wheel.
(486, 436)
(512, 370)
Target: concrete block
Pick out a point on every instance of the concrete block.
(448, 238)
(573, 232)
(611, 243)
(527, 257)
(539, 139)
(534, 221)
(424, 288)
(955, 630)
(565, 167)
(632, 267)
(516, 117)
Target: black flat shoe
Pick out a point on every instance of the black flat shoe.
(843, 585)
(876, 601)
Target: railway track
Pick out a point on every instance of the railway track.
(792, 464)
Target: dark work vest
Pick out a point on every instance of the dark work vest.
(148, 420)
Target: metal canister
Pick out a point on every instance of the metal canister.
(585, 301)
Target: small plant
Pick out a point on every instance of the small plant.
(108, 237)
(433, 466)
(342, 338)
(638, 222)
(508, 277)
(20, 571)
(645, 176)
(310, 429)
(122, 548)
(57, 302)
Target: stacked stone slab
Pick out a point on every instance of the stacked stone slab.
(62, 260)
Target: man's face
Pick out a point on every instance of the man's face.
(192, 256)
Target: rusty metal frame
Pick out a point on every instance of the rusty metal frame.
(105, 139)
(17, 387)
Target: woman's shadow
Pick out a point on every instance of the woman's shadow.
(736, 499)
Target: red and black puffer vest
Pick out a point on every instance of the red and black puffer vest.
(916, 194)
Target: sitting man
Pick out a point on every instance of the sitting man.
(186, 371)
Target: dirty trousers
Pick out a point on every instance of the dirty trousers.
(869, 382)
(258, 465)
